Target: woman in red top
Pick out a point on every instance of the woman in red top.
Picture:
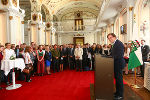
(1, 57)
(40, 56)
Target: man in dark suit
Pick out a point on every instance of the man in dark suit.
(145, 50)
(119, 64)
(55, 55)
(85, 56)
(71, 56)
(65, 55)
(93, 52)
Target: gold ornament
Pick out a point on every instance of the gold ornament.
(40, 17)
(34, 17)
(130, 8)
(4, 2)
(48, 25)
(14, 2)
(22, 22)
(10, 17)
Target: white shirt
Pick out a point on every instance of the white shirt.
(128, 53)
(78, 52)
(27, 58)
(9, 53)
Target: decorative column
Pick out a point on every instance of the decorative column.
(112, 28)
(37, 28)
(95, 37)
(53, 31)
(129, 23)
(15, 21)
(41, 34)
(59, 39)
(48, 33)
(130, 8)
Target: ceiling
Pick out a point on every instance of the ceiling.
(110, 13)
(60, 8)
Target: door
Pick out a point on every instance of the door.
(78, 40)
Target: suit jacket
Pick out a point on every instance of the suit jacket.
(118, 54)
(55, 53)
(93, 51)
(70, 51)
(85, 51)
(145, 50)
(65, 51)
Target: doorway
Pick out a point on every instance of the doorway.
(78, 40)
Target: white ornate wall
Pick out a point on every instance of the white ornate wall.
(3, 29)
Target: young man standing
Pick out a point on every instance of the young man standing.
(119, 64)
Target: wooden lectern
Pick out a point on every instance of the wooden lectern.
(104, 74)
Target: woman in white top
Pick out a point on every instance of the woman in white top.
(126, 56)
(8, 52)
(27, 61)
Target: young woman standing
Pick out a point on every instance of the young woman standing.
(48, 59)
(40, 56)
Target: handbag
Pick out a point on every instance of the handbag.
(28, 68)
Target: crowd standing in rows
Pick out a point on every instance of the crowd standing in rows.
(43, 58)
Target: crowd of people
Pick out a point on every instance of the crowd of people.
(43, 58)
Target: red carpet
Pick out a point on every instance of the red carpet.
(67, 85)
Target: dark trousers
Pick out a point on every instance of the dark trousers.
(28, 76)
(34, 67)
(142, 69)
(89, 62)
(93, 63)
(71, 63)
(56, 65)
(65, 60)
(119, 80)
(79, 64)
(9, 76)
(84, 63)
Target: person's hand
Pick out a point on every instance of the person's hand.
(148, 59)
(63, 56)
(71, 56)
(56, 57)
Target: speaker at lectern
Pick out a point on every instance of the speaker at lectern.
(104, 71)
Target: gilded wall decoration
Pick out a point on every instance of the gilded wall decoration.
(14, 2)
(34, 17)
(40, 17)
(48, 25)
(10, 17)
(4, 2)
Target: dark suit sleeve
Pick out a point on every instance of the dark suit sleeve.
(118, 50)
(145, 50)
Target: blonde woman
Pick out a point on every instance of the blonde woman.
(48, 59)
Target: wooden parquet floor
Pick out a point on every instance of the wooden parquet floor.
(142, 92)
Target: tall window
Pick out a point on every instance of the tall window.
(78, 21)
(78, 24)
